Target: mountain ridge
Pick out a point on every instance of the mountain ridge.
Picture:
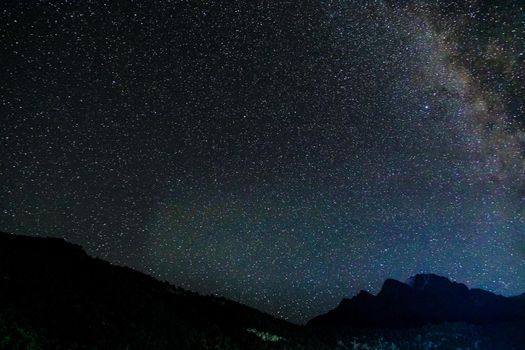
(54, 294)
(423, 299)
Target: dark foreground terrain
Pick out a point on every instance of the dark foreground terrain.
(54, 296)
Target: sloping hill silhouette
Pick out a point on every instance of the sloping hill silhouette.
(54, 296)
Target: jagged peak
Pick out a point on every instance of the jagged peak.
(424, 299)
(392, 285)
(363, 293)
(363, 296)
(422, 280)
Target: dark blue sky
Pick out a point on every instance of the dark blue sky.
(281, 154)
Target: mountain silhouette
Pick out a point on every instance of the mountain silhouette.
(54, 296)
(423, 299)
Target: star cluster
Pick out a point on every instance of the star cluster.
(281, 154)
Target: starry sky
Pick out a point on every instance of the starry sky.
(282, 154)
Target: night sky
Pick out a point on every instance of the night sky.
(282, 154)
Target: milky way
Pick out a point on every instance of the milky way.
(280, 154)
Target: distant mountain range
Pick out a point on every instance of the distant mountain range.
(54, 296)
(423, 299)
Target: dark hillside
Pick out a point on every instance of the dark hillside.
(54, 296)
